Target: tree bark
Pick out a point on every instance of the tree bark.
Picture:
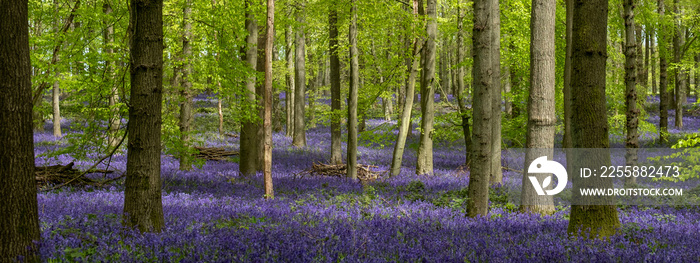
(679, 74)
(19, 223)
(267, 101)
(248, 141)
(631, 69)
(352, 94)
(652, 61)
(483, 82)
(541, 103)
(143, 207)
(645, 68)
(639, 62)
(589, 122)
(424, 164)
(461, 93)
(697, 75)
(496, 176)
(289, 95)
(299, 139)
(56, 103)
(115, 118)
(405, 122)
(336, 150)
(186, 92)
(663, 78)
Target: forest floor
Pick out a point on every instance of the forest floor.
(214, 215)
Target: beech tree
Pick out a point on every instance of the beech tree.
(248, 143)
(186, 91)
(424, 164)
(19, 223)
(336, 151)
(589, 123)
(663, 77)
(267, 101)
(407, 105)
(483, 84)
(631, 63)
(352, 94)
(541, 103)
(299, 138)
(143, 207)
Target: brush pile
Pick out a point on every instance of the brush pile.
(62, 174)
(214, 153)
(364, 172)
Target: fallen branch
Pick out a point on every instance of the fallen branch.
(364, 172)
(214, 153)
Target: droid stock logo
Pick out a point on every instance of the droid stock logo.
(543, 166)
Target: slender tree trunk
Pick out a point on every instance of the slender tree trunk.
(289, 95)
(143, 207)
(405, 122)
(424, 164)
(19, 223)
(496, 176)
(461, 93)
(507, 89)
(639, 63)
(679, 75)
(697, 75)
(541, 103)
(663, 78)
(114, 119)
(267, 101)
(652, 61)
(336, 151)
(248, 145)
(483, 82)
(645, 69)
(352, 94)
(186, 92)
(631, 64)
(299, 139)
(589, 122)
(56, 103)
(259, 93)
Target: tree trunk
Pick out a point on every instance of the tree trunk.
(259, 93)
(483, 82)
(19, 223)
(639, 62)
(645, 68)
(424, 164)
(461, 93)
(541, 103)
(248, 145)
(697, 76)
(186, 92)
(405, 122)
(663, 79)
(589, 122)
(336, 150)
(289, 95)
(352, 94)
(267, 101)
(679, 75)
(631, 70)
(299, 139)
(652, 61)
(115, 118)
(143, 207)
(496, 176)
(56, 103)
